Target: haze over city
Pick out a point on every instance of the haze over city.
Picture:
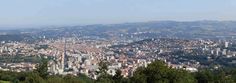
(117, 41)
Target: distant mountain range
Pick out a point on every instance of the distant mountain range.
(170, 28)
(193, 29)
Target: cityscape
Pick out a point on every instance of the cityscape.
(70, 50)
(118, 41)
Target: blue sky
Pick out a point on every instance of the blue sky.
(80, 12)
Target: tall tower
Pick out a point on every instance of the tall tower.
(65, 57)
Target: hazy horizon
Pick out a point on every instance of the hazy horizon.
(29, 13)
(64, 25)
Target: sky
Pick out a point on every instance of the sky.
(82, 12)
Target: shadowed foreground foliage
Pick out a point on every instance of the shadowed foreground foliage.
(156, 72)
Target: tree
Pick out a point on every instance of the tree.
(139, 76)
(159, 72)
(104, 77)
(55, 79)
(118, 78)
(233, 74)
(221, 77)
(42, 68)
(205, 76)
(34, 78)
(180, 76)
(72, 79)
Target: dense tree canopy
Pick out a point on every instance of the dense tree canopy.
(156, 72)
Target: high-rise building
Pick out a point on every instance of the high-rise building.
(226, 44)
(217, 51)
(224, 52)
